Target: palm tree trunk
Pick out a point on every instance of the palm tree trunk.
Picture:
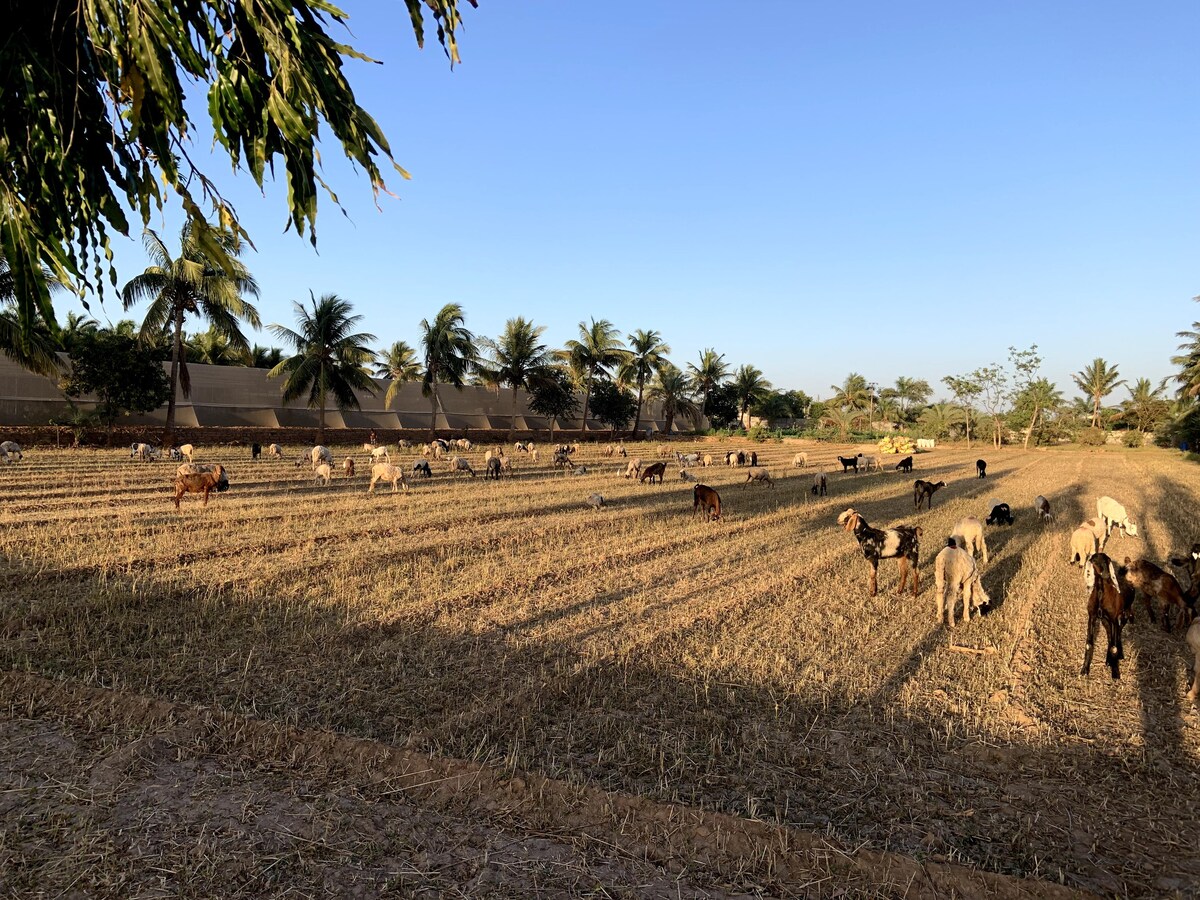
(637, 417)
(512, 419)
(967, 415)
(1096, 413)
(433, 405)
(168, 438)
(587, 399)
(321, 421)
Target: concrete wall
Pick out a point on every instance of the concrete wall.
(229, 397)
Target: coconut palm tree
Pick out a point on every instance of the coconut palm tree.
(1097, 381)
(750, 387)
(708, 375)
(908, 392)
(940, 418)
(214, 349)
(265, 357)
(31, 347)
(597, 351)
(195, 283)
(450, 355)
(671, 387)
(853, 393)
(1146, 406)
(331, 359)
(75, 328)
(841, 419)
(515, 359)
(400, 365)
(647, 354)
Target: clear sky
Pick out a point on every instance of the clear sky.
(814, 188)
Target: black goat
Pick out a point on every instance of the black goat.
(1001, 514)
(902, 542)
(923, 491)
(905, 465)
(421, 469)
(849, 462)
(981, 467)
(255, 451)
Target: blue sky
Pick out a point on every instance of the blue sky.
(892, 189)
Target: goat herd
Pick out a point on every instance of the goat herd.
(1112, 587)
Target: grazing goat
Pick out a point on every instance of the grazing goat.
(348, 466)
(1155, 584)
(562, 458)
(493, 468)
(520, 447)
(707, 461)
(461, 464)
(685, 475)
(579, 470)
(463, 444)
(255, 450)
(848, 462)
(968, 535)
(1112, 514)
(707, 499)
(200, 483)
(981, 467)
(923, 492)
(905, 465)
(902, 542)
(10, 449)
(387, 472)
(144, 452)
(800, 460)
(318, 455)
(819, 485)
(1001, 514)
(1193, 642)
(870, 462)
(1042, 506)
(731, 458)
(421, 469)
(323, 474)
(187, 450)
(652, 471)
(955, 568)
(275, 451)
(1107, 603)
(741, 457)
(753, 458)
(380, 454)
(595, 501)
(633, 468)
(174, 455)
(1085, 542)
(403, 444)
(762, 476)
(533, 454)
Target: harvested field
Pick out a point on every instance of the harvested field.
(735, 667)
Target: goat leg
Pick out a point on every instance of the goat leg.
(1089, 646)
(874, 577)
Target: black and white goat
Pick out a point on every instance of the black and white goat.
(902, 542)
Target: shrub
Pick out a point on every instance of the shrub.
(1092, 437)
(1134, 438)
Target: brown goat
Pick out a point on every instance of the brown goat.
(1155, 584)
(652, 471)
(704, 497)
(1107, 602)
(348, 467)
(924, 491)
(200, 483)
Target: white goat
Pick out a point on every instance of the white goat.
(386, 472)
(323, 474)
(955, 569)
(595, 501)
(187, 450)
(968, 535)
(274, 450)
(685, 475)
(633, 468)
(800, 460)
(1112, 514)
(1085, 542)
(380, 454)
(461, 464)
(319, 455)
(10, 449)
(1193, 642)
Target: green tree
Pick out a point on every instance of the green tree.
(671, 387)
(708, 375)
(124, 376)
(197, 282)
(722, 405)
(939, 419)
(265, 357)
(331, 359)
(1026, 365)
(842, 419)
(450, 355)
(32, 347)
(1031, 404)
(965, 390)
(993, 389)
(598, 351)
(516, 359)
(612, 404)
(100, 122)
(1146, 407)
(75, 328)
(552, 394)
(1189, 361)
(214, 349)
(647, 355)
(908, 393)
(750, 388)
(1097, 381)
(853, 393)
(400, 365)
